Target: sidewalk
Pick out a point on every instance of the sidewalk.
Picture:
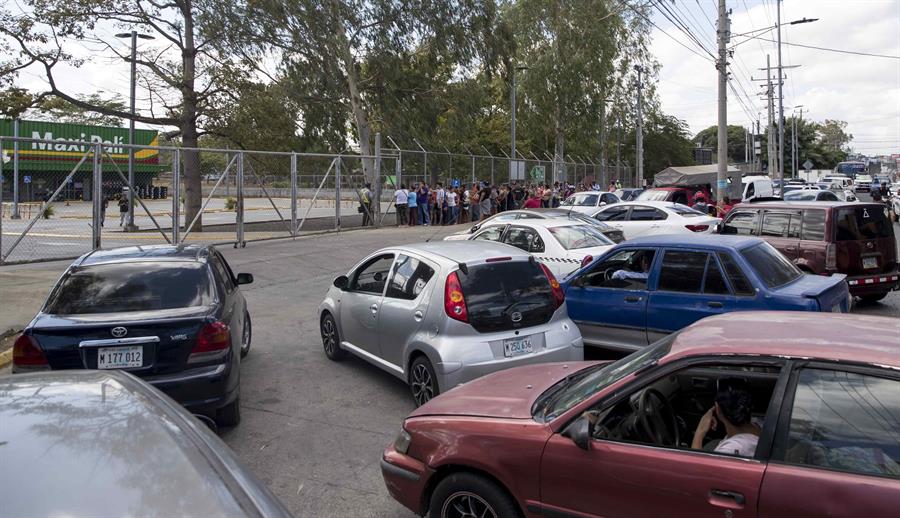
(23, 289)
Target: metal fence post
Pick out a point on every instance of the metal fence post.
(473, 170)
(2, 179)
(176, 196)
(398, 170)
(377, 205)
(337, 193)
(15, 189)
(97, 230)
(294, 194)
(239, 216)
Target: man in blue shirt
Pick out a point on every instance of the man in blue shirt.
(422, 199)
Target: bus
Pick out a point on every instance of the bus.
(850, 169)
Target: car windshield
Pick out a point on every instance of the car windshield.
(653, 195)
(583, 384)
(770, 265)
(579, 236)
(803, 195)
(685, 211)
(582, 200)
(140, 286)
(862, 223)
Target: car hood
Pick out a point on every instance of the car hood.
(506, 394)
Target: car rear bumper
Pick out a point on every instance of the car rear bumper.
(202, 390)
(573, 352)
(406, 479)
(873, 284)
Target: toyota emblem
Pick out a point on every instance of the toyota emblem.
(870, 245)
(516, 317)
(119, 332)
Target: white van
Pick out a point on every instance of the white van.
(756, 187)
(844, 182)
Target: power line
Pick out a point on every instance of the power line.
(835, 50)
(681, 26)
(676, 40)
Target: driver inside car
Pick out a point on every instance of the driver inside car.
(642, 274)
(732, 409)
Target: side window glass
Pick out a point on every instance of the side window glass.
(519, 238)
(742, 224)
(372, 276)
(794, 226)
(612, 214)
(409, 278)
(628, 269)
(490, 234)
(775, 224)
(844, 421)
(537, 244)
(682, 271)
(739, 282)
(222, 273)
(714, 282)
(813, 225)
(751, 190)
(643, 214)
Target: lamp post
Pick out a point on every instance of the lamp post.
(512, 100)
(129, 225)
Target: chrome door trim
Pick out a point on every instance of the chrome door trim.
(135, 340)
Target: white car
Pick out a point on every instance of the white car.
(587, 201)
(563, 246)
(648, 218)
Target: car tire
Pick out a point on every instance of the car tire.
(423, 382)
(246, 336)
(331, 338)
(871, 299)
(230, 414)
(468, 494)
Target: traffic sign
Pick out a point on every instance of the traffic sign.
(807, 165)
(26, 179)
(537, 173)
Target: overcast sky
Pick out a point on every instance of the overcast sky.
(864, 91)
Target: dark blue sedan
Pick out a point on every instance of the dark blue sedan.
(646, 288)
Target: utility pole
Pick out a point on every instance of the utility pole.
(639, 144)
(757, 158)
(770, 133)
(780, 100)
(722, 66)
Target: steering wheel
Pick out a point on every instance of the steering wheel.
(658, 419)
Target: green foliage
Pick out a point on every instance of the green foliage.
(47, 212)
(737, 142)
(667, 142)
(56, 109)
(230, 204)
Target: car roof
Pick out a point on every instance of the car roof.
(153, 253)
(805, 205)
(70, 436)
(828, 336)
(693, 240)
(561, 221)
(463, 251)
(648, 203)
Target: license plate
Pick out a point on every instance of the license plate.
(517, 346)
(870, 262)
(120, 357)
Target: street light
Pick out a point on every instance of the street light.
(130, 226)
(512, 97)
(795, 143)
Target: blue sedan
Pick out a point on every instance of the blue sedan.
(646, 288)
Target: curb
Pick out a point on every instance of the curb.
(5, 358)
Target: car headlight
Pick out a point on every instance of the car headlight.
(401, 443)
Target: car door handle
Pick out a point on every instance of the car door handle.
(714, 304)
(730, 495)
(418, 316)
(633, 298)
(374, 308)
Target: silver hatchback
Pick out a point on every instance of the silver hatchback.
(439, 314)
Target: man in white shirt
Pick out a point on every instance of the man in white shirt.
(439, 198)
(452, 213)
(732, 408)
(401, 197)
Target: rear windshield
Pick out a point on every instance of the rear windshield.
(494, 291)
(685, 211)
(582, 200)
(653, 196)
(861, 223)
(772, 268)
(579, 236)
(117, 288)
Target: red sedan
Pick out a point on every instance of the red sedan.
(747, 414)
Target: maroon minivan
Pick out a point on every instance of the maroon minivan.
(856, 239)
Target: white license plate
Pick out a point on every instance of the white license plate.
(517, 346)
(870, 262)
(120, 357)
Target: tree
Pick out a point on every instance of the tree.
(57, 109)
(667, 143)
(833, 136)
(737, 142)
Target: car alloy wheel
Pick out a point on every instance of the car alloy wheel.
(331, 339)
(465, 504)
(422, 382)
(245, 337)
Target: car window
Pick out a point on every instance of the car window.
(409, 278)
(685, 211)
(626, 269)
(524, 238)
(794, 225)
(612, 214)
(372, 276)
(844, 421)
(640, 213)
(682, 271)
(736, 277)
(828, 196)
(813, 228)
(751, 190)
(860, 223)
(582, 200)
(490, 234)
(221, 273)
(609, 198)
(653, 195)
(579, 236)
(510, 216)
(744, 223)
(775, 224)
(493, 291)
(714, 282)
(529, 215)
(138, 286)
(773, 268)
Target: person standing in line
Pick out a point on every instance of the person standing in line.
(475, 203)
(365, 204)
(422, 199)
(465, 200)
(485, 208)
(451, 207)
(123, 209)
(104, 203)
(412, 205)
(440, 205)
(400, 201)
(518, 195)
(533, 202)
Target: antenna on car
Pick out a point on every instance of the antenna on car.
(463, 268)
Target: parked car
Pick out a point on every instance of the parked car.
(588, 200)
(613, 234)
(614, 439)
(629, 194)
(172, 315)
(646, 288)
(680, 195)
(878, 181)
(648, 218)
(862, 183)
(561, 245)
(854, 239)
(443, 313)
(811, 195)
(105, 443)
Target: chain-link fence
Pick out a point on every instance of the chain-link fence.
(237, 196)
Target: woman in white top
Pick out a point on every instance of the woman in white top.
(733, 409)
(401, 197)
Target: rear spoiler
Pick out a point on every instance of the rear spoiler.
(837, 277)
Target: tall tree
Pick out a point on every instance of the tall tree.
(737, 141)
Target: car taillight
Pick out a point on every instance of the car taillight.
(588, 259)
(454, 300)
(697, 228)
(213, 337)
(831, 257)
(558, 295)
(27, 355)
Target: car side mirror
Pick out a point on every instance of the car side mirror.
(244, 278)
(577, 282)
(580, 431)
(474, 229)
(341, 282)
